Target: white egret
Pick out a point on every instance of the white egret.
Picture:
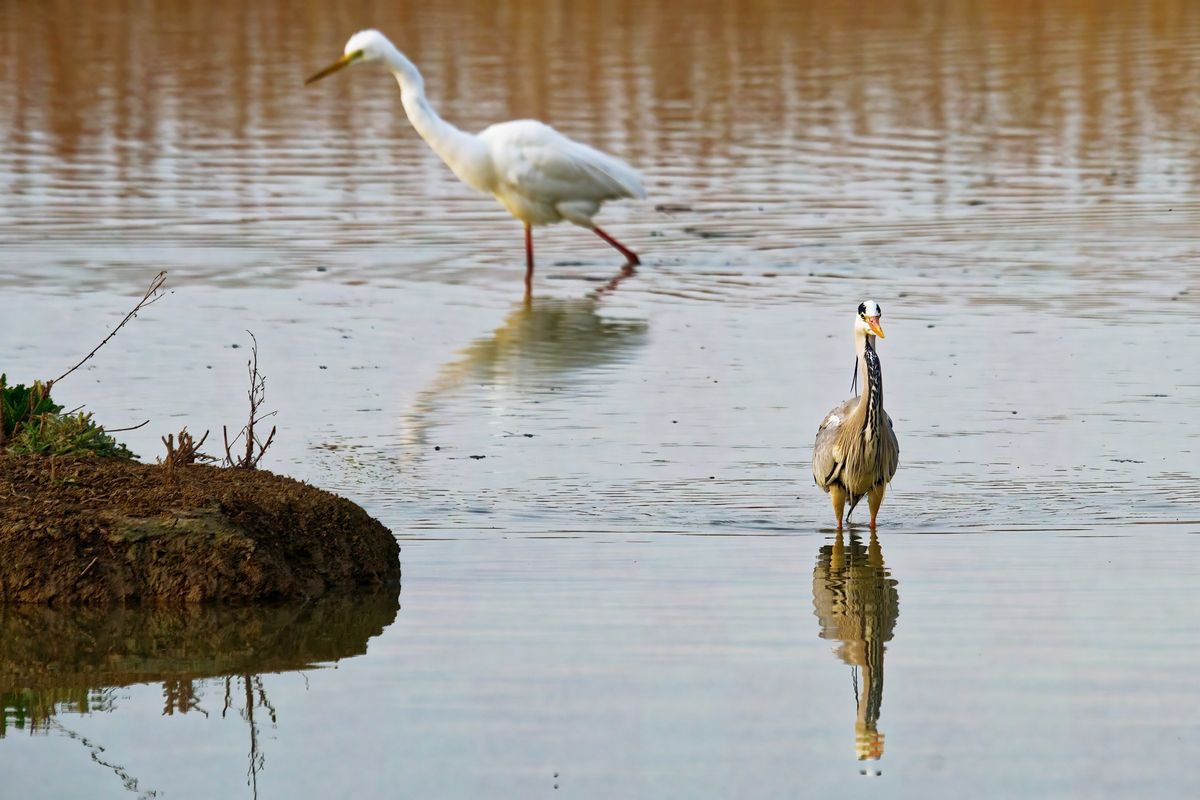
(539, 175)
(856, 452)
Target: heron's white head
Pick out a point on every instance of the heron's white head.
(867, 323)
(364, 46)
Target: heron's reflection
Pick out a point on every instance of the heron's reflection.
(542, 342)
(857, 604)
(74, 660)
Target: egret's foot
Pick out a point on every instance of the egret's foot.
(631, 258)
(627, 271)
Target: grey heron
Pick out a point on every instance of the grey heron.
(856, 451)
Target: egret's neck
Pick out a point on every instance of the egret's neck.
(465, 154)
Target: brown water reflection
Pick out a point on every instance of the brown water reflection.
(778, 124)
(73, 658)
(210, 661)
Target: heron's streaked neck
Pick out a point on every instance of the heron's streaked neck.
(465, 154)
(862, 341)
(872, 377)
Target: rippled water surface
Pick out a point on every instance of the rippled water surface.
(619, 580)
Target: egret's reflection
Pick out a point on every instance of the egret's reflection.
(542, 343)
(73, 660)
(856, 601)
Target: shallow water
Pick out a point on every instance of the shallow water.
(618, 578)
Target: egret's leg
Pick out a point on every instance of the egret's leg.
(630, 256)
(528, 259)
(875, 499)
(838, 496)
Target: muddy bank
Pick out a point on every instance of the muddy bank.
(94, 530)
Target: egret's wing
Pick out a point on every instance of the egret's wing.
(827, 456)
(549, 167)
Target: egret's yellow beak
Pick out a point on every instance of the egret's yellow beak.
(873, 322)
(344, 61)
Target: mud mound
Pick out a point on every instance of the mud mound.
(92, 530)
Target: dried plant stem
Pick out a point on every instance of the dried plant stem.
(255, 448)
(152, 294)
(186, 452)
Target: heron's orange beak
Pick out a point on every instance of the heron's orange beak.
(341, 63)
(873, 322)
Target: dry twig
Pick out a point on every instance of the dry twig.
(186, 452)
(152, 294)
(142, 424)
(255, 448)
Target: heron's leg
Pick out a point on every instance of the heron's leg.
(875, 499)
(528, 259)
(630, 256)
(838, 495)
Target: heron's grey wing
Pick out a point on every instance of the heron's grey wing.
(827, 458)
(532, 155)
(891, 450)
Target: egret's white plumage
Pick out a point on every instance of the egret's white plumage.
(537, 174)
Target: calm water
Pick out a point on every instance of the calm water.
(618, 578)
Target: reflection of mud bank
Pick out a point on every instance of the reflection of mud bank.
(45, 647)
(72, 658)
(83, 530)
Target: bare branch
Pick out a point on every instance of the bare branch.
(130, 428)
(186, 452)
(152, 294)
(256, 394)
